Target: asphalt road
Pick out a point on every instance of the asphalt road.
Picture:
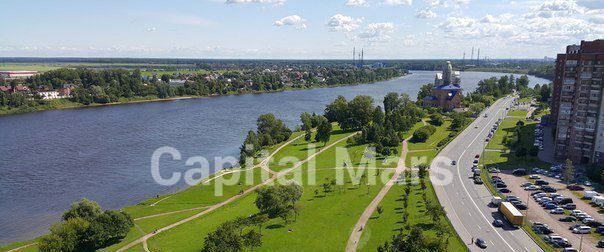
(467, 204)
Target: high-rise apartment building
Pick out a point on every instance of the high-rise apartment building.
(578, 103)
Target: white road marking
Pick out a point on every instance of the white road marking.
(466, 189)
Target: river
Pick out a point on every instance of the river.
(50, 159)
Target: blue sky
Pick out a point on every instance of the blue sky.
(298, 29)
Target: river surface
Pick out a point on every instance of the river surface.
(50, 159)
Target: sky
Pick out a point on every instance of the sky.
(296, 29)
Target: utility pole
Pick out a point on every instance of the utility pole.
(463, 61)
(472, 55)
(354, 54)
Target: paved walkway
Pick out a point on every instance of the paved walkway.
(357, 232)
(246, 192)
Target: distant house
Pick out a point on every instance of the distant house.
(177, 83)
(18, 88)
(49, 95)
(17, 74)
(447, 92)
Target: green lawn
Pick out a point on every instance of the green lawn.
(441, 133)
(504, 138)
(381, 228)
(515, 112)
(200, 195)
(324, 223)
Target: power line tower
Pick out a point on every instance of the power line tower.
(472, 55)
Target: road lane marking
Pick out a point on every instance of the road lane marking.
(464, 186)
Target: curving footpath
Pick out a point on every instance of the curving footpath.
(355, 236)
(246, 192)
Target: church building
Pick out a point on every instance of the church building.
(447, 92)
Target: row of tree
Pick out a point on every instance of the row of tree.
(85, 227)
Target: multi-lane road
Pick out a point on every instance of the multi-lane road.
(467, 204)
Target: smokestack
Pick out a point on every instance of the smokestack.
(472, 55)
(354, 52)
(478, 57)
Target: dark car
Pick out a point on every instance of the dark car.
(562, 244)
(570, 206)
(540, 182)
(543, 230)
(593, 224)
(476, 161)
(600, 244)
(481, 243)
(536, 192)
(501, 185)
(567, 219)
(600, 230)
(520, 205)
(574, 226)
(477, 156)
(519, 172)
(548, 189)
(498, 223)
(453, 162)
(505, 190)
(575, 188)
(478, 181)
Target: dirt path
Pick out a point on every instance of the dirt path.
(246, 192)
(355, 236)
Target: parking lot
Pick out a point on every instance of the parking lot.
(537, 213)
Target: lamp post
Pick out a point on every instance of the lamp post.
(581, 243)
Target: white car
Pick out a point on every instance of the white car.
(558, 210)
(576, 212)
(534, 176)
(588, 220)
(582, 230)
(532, 188)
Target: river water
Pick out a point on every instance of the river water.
(52, 158)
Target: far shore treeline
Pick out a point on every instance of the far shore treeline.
(103, 86)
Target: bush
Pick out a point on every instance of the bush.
(422, 134)
(437, 119)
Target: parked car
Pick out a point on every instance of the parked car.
(582, 230)
(519, 205)
(567, 219)
(453, 162)
(600, 229)
(519, 172)
(497, 223)
(575, 187)
(505, 190)
(534, 176)
(575, 212)
(525, 184)
(593, 224)
(532, 188)
(600, 244)
(558, 210)
(570, 250)
(501, 185)
(494, 170)
(570, 206)
(541, 182)
(550, 206)
(547, 188)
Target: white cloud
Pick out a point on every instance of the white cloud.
(293, 20)
(151, 29)
(425, 13)
(461, 2)
(556, 8)
(341, 22)
(356, 3)
(398, 2)
(277, 2)
(433, 2)
(377, 32)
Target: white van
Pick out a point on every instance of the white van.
(598, 200)
(590, 194)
